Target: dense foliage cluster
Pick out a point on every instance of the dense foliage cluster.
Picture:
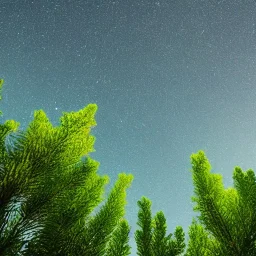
(52, 200)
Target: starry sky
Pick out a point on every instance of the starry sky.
(170, 77)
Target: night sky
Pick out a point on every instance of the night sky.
(170, 77)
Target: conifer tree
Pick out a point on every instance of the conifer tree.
(151, 239)
(118, 245)
(226, 224)
(49, 190)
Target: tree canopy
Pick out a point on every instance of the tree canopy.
(52, 199)
(226, 223)
(49, 188)
(151, 239)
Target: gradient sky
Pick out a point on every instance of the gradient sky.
(170, 77)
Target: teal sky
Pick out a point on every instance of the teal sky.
(169, 78)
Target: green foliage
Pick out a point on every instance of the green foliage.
(143, 237)
(99, 229)
(118, 245)
(201, 242)
(151, 239)
(158, 238)
(227, 220)
(176, 245)
(49, 190)
(50, 197)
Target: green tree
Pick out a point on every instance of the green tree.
(118, 245)
(226, 223)
(49, 190)
(151, 239)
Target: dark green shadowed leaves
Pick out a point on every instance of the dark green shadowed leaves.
(151, 238)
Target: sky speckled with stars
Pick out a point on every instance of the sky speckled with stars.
(169, 78)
